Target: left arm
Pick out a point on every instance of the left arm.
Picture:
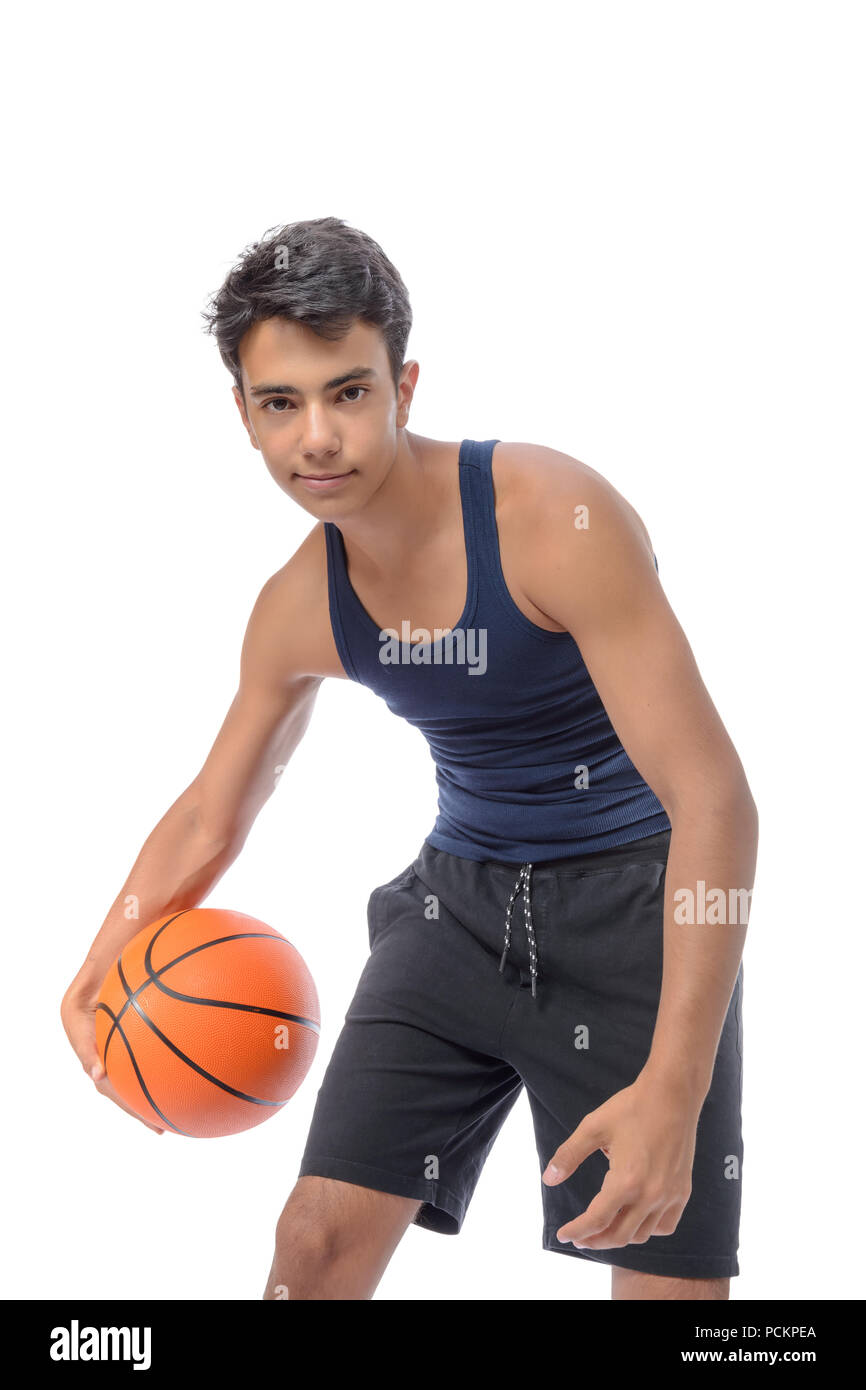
(600, 583)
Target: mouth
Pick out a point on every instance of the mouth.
(321, 482)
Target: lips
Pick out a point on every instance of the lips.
(324, 482)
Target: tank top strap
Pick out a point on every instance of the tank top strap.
(477, 456)
(341, 600)
(355, 632)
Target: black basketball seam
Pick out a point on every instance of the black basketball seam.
(223, 1085)
(216, 941)
(118, 963)
(218, 1003)
(148, 1097)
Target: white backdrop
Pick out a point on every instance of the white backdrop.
(631, 232)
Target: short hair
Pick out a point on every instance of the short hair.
(320, 272)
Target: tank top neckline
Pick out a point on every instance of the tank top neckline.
(469, 550)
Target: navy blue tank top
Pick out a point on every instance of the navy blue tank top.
(528, 765)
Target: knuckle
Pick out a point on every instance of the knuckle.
(631, 1185)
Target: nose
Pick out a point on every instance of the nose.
(318, 439)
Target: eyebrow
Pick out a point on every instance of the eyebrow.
(282, 390)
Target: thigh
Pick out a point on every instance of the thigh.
(414, 1093)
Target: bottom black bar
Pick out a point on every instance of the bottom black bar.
(85, 1337)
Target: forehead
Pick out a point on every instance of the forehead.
(276, 348)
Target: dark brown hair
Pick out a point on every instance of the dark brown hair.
(319, 272)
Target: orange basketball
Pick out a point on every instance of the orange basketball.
(207, 1022)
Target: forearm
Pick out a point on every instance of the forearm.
(176, 868)
(708, 883)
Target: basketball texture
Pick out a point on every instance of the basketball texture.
(207, 1022)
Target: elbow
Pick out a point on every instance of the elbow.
(221, 838)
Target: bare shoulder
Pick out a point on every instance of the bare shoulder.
(537, 486)
(573, 549)
(289, 632)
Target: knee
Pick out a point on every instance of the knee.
(306, 1234)
(334, 1239)
(310, 1243)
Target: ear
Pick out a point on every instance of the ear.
(239, 402)
(405, 391)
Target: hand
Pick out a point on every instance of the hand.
(648, 1133)
(78, 1014)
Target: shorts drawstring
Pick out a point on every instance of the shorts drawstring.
(523, 881)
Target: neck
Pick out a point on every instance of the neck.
(407, 511)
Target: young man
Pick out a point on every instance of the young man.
(504, 598)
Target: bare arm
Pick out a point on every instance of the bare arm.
(600, 583)
(204, 830)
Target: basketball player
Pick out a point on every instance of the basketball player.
(552, 931)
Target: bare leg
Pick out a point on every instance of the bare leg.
(334, 1240)
(628, 1283)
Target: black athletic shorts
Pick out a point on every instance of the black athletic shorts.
(446, 1026)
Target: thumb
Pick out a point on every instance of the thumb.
(570, 1154)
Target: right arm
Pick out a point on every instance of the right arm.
(203, 832)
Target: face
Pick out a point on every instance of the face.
(324, 415)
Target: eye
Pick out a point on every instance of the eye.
(278, 405)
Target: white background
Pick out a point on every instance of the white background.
(631, 232)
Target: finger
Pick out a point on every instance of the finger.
(634, 1224)
(96, 1067)
(663, 1221)
(648, 1228)
(157, 1129)
(106, 1089)
(585, 1140)
(669, 1220)
(613, 1194)
(83, 1041)
(621, 1231)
